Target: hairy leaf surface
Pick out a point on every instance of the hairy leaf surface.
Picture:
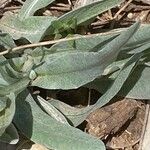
(78, 115)
(31, 28)
(43, 129)
(71, 70)
(31, 6)
(7, 114)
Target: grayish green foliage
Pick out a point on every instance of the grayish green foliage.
(114, 59)
(43, 129)
(96, 42)
(71, 70)
(52, 111)
(10, 79)
(10, 135)
(6, 41)
(136, 87)
(84, 14)
(7, 114)
(31, 28)
(76, 116)
(34, 28)
(31, 6)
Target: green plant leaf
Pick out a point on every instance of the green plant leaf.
(31, 28)
(31, 6)
(92, 43)
(7, 114)
(139, 37)
(2, 104)
(145, 46)
(10, 135)
(52, 111)
(11, 78)
(84, 14)
(68, 70)
(96, 42)
(42, 129)
(10, 70)
(16, 87)
(6, 41)
(76, 116)
(71, 70)
(136, 86)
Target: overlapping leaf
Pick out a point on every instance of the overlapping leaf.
(96, 42)
(34, 28)
(77, 116)
(137, 85)
(7, 114)
(52, 111)
(84, 14)
(31, 6)
(31, 28)
(72, 70)
(6, 41)
(42, 129)
(11, 80)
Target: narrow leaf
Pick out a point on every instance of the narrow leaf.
(96, 42)
(31, 6)
(31, 28)
(88, 12)
(42, 129)
(52, 111)
(71, 70)
(7, 114)
(136, 86)
(79, 115)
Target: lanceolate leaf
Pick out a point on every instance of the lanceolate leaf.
(71, 70)
(86, 13)
(42, 129)
(9, 82)
(68, 70)
(145, 46)
(7, 114)
(52, 111)
(136, 86)
(31, 28)
(31, 6)
(140, 37)
(91, 43)
(15, 87)
(96, 42)
(78, 115)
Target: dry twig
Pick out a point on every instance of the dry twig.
(52, 42)
(122, 9)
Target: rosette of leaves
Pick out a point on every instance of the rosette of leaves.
(105, 62)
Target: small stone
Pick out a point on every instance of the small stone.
(130, 16)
